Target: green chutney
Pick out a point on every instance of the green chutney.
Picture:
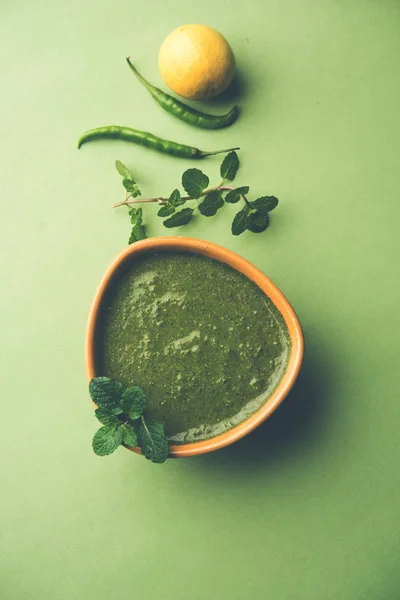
(204, 342)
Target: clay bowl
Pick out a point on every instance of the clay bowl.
(183, 244)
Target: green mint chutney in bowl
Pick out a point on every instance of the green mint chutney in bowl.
(211, 340)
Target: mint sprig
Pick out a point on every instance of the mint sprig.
(253, 215)
(132, 191)
(121, 411)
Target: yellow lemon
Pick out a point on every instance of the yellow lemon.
(196, 62)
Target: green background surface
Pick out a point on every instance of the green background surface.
(307, 508)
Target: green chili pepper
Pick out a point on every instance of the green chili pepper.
(115, 132)
(187, 113)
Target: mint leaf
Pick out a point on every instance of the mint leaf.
(131, 187)
(138, 232)
(106, 417)
(194, 182)
(107, 439)
(133, 402)
(168, 207)
(240, 222)
(176, 199)
(211, 203)
(234, 195)
(258, 221)
(266, 203)
(152, 441)
(105, 392)
(129, 436)
(166, 210)
(136, 215)
(129, 184)
(123, 170)
(180, 218)
(229, 166)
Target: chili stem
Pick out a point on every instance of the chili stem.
(218, 152)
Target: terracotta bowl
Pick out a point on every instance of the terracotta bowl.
(182, 244)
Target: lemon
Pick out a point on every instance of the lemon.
(196, 62)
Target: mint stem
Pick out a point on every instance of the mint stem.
(144, 424)
(161, 200)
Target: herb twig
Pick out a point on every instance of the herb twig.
(254, 215)
(162, 200)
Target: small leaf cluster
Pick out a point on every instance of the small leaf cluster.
(120, 409)
(254, 215)
(135, 214)
(138, 231)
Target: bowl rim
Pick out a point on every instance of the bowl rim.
(217, 252)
